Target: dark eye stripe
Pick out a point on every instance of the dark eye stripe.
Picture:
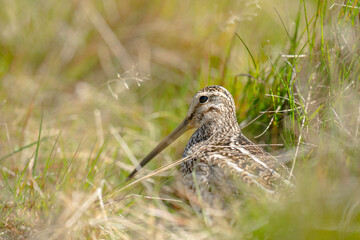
(203, 99)
(212, 109)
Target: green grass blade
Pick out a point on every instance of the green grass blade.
(37, 146)
(248, 50)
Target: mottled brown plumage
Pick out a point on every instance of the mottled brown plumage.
(220, 156)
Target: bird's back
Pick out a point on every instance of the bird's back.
(219, 163)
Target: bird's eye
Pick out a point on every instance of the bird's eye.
(203, 99)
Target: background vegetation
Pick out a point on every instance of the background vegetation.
(87, 88)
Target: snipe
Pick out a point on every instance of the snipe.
(220, 154)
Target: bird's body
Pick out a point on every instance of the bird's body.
(218, 154)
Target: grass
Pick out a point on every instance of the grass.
(88, 88)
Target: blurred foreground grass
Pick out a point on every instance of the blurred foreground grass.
(87, 88)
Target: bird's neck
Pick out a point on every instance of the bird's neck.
(211, 130)
(217, 126)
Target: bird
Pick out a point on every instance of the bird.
(218, 157)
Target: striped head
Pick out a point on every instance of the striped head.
(211, 104)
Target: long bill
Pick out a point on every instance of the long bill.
(177, 132)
